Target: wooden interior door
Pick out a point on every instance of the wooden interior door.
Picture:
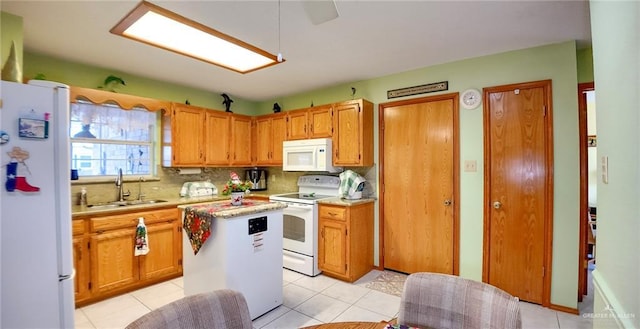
(419, 184)
(518, 181)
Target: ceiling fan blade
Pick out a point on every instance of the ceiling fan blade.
(320, 11)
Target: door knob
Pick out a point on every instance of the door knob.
(497, 205)
(447, 202)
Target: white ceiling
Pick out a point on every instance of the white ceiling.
(369, 39)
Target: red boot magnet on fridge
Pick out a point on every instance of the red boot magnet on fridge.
(16, 181)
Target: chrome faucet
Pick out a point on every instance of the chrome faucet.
(140, 195)
(121, 194)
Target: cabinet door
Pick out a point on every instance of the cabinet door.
(163, 258)
(81, 265)
(278, 135)
(188, 135)
(346, 140)
(217, 138)
(240, 140)
(297, 121)
(113, 264)
(263, 140)
(321, 121)
(332, 247)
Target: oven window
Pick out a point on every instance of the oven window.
(293, 227)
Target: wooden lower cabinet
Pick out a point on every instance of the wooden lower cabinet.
(109, 266)
(345, 242)
(113, 265)
(81, 260)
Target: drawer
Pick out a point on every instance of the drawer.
(329, 212)
(105, 223)
(78, 226)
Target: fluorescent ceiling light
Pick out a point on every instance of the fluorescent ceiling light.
(162, 28)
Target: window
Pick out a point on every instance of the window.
(106, 138)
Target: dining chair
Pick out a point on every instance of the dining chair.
(219, 309)
(432, 300)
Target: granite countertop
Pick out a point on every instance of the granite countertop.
(224, 209)
(337, 201)
(77, 210)
(83, 211)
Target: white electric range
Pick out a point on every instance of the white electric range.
(300, 227)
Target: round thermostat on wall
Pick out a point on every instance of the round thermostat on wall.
(470, 98)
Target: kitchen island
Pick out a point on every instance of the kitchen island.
(234, 247)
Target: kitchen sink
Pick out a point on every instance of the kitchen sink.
(137, 202)
(116, 204)
(103, 206)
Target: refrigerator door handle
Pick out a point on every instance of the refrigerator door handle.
(67, 276)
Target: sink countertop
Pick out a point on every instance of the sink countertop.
(337, 201)
(77, 210)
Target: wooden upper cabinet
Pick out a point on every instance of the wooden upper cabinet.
(240, 140)
(297, 124)
(187, 131)
(271, 131)
(217, 139)
(278, 135)
(353, 133)
(197, 137)
(313, 122)
(321, 121)
(263, 139)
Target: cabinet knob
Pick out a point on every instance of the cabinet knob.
(447, 202)
(497, 205)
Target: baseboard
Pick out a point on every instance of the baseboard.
(607, 311)
(564, 309)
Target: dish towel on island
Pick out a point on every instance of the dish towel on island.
(197, 227)
(349, 181)
(142, 239)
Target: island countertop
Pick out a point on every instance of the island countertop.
(224, 209)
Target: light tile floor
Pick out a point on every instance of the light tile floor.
(307, 301)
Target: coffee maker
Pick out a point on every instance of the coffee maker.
(258, 177)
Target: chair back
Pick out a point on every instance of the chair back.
(439, 301)
(220, 309)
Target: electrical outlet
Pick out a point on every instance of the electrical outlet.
(470, 165)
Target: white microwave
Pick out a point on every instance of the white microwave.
(308, 155)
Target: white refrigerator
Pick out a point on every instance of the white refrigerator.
(37, 289)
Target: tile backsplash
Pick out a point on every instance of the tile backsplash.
(169, 182)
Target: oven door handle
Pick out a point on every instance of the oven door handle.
(297, 206)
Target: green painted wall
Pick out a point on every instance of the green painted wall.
(82, 75)
(557, 62)
(585, 65)
(10, 30)
(616, 50)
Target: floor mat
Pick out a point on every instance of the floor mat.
(389, 283)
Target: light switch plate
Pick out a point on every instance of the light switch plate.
(470, 165)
